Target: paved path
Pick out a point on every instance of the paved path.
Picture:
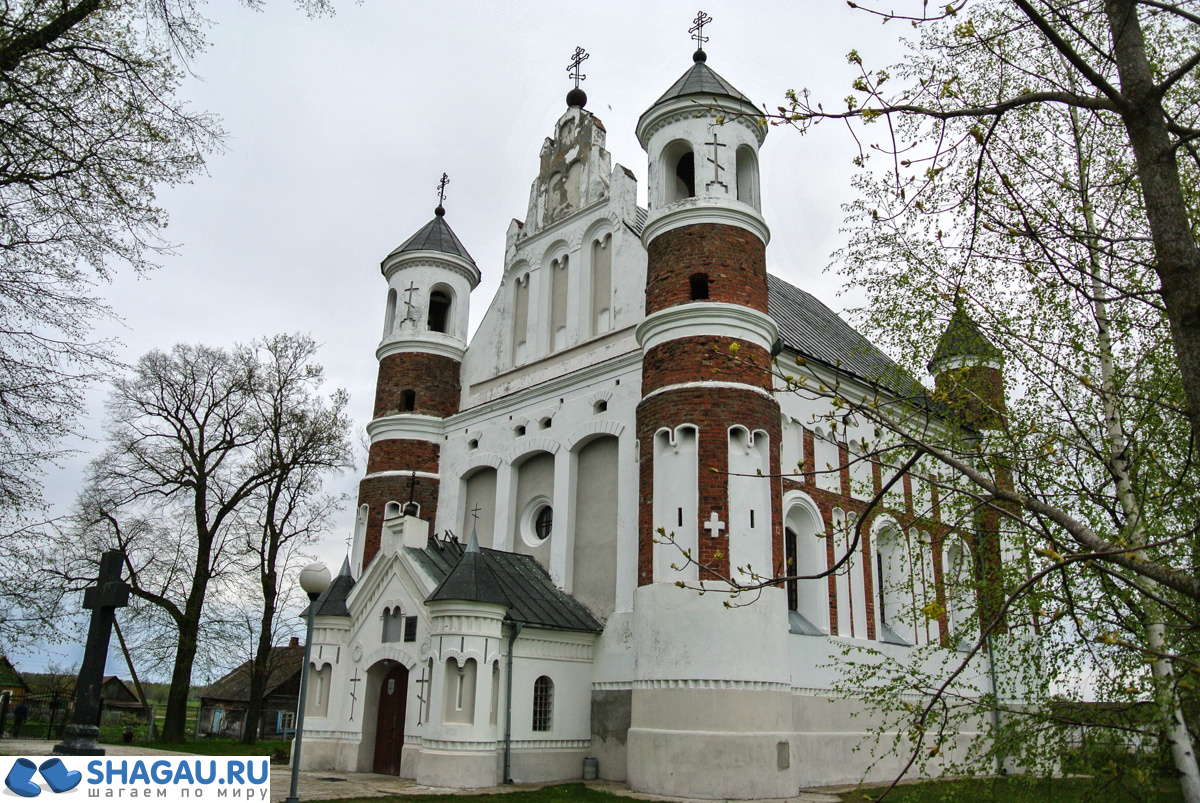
(339, 785)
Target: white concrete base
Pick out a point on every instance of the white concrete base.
(710, 765)
(458, 769)
(328, 755)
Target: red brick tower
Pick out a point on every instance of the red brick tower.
(430, 278)
(708, 427)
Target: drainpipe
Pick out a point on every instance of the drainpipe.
(512, 639)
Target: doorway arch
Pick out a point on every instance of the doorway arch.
(389, 721)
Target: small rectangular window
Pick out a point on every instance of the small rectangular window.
(410, 628)
(751, 519)
(680, 517)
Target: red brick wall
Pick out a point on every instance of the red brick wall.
(403, 455)
(376, 492)
(975, 396)
(713, 411)
(705, 359)
(734, 259)
(434, 378)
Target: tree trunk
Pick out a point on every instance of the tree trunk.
(1177, 260)
(262, 667)
(1165, 690)
(175, 723)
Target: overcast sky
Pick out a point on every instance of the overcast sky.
(339, 129)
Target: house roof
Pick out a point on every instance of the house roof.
(504, 578)
(9, 676)
(285, 662)
(436, 235)
(816, 332)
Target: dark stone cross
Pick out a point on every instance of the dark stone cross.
(102, 599)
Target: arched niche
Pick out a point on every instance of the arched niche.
(806, 553)
(747, 176)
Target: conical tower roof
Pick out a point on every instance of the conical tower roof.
(472, 580)
(332, 601)
(436, 235)
(701, 80)
(962, 338)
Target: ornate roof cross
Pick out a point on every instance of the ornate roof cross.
(697, 29)
(410, 509)
(442, 189)
(475, 512)
(577, 58)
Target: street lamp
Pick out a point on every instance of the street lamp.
(314, 579)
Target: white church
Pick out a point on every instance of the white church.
(508, 609)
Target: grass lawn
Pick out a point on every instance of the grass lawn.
(565, 793)
(1003, 790)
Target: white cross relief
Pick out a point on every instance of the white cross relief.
(714, 525)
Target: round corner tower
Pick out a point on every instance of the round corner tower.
(708, 426)
(430, 278)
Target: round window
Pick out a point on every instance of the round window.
(543, 522)
(536, 524)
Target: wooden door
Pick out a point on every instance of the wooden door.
(389, 725)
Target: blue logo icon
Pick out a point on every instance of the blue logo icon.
(57, 776)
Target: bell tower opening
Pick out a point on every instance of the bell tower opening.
(439, 311)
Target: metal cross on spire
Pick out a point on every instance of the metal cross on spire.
(697, 29)
(577, 58)
(442, 193)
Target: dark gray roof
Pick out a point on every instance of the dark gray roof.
(435, 235)
(701, 80)
(962, 338)
(815, 332)
(332, 601)
(471, 579)
(517, 581)
(639, 220)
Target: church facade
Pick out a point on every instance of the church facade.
(534, 497)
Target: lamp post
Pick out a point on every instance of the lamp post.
(314, 579)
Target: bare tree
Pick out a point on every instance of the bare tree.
(92, 127)
(201, 443)
(305, 440)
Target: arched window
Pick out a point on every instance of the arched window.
(559, 279)
(439, 311)
(805, 549)
(393, 624)
(408, 401)
(747, 176)
(958, 579)
(520, 319)
(389, 317)
(685, 176)
(893, 590)
(678, 167)
(458, 704)
(543, 704)
(698, 286)
(601, 284)
(391, 510)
